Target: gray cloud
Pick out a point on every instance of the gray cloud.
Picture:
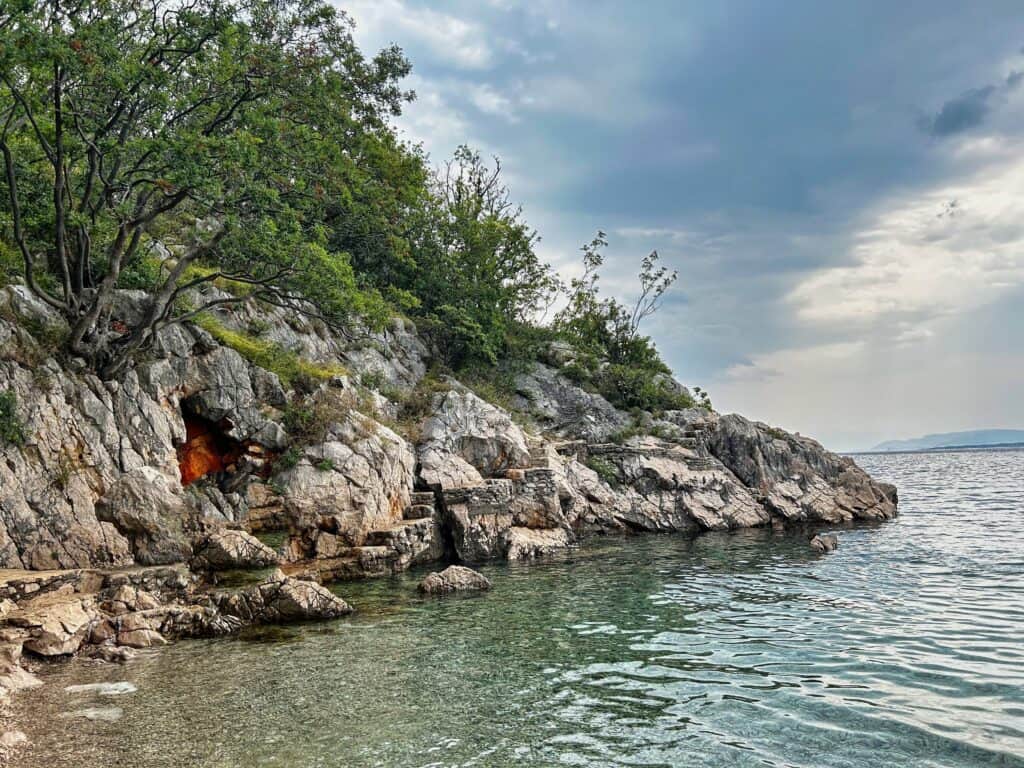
(969, 109)
(966, 111)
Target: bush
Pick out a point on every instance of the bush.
(12, 432)
(626, 387)
(605, 470)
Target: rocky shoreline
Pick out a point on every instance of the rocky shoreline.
(198, 494)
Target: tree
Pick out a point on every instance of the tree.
(606, 327)
(623, 364)
(477, 271)
(233, 125)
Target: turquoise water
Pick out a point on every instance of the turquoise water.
(904, 648)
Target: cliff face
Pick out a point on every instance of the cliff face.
(194, 440)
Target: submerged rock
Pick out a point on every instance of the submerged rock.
(825, 542)
(454, 578)
(103, 689)
(282, 599)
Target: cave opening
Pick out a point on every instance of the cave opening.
(207, 450)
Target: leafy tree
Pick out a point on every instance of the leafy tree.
(477, 272)
(236, 126)
(625, 365)
(607, 328)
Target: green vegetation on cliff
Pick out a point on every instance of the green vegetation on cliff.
(247, 145)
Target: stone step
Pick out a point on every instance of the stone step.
(419, 512)
(385, 536)
(701, 464)
(424, 498)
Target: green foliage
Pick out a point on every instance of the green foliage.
(605, 470)
(308, 419)
(290, 368)
(616, 360)
(241, 131)
(325, 465)
(288, 460)
(248, 145)
(628, 387)
(12, 432)
(477, 273)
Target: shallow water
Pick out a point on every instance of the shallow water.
(904, 648)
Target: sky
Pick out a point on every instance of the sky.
(839, 185)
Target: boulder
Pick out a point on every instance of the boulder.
(442, 470)
(825, 542)
(58, 629)
(140, 638)
(14, 677)
(231, 549)
(454, 578)
(359, 480)
(147, 508)
(281, 599)
(531, 543)
(482, 435)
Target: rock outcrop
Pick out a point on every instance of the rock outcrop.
(825, 542)
(197, 456)
(227, 550)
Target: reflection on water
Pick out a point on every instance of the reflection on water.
(904, 648)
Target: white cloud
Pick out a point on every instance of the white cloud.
(457, 41)
(945, 251)
(492, 102)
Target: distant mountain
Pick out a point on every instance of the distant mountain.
(974, 437)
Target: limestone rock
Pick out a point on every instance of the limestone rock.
(532, 543)
(283, 598)
(454, 578)
(140, 638)
(232, 549)
(441, 469)
(825, 542)
(358, 481)
(564, 409)
(147, 508)
(482, 435)
(14, 677)
(57, 629)
(797, 477)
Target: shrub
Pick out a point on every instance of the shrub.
(12, 432)
(605, 470)
(307, 420)
(627, 387)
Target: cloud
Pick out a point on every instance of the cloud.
(461, 43)
(490, 101)
(969, 109)
(941, 252)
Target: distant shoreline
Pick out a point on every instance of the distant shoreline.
(943, 449)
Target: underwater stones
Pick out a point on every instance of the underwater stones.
(825, 542)
(281, 599)
(454, 578)
(531, 543)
